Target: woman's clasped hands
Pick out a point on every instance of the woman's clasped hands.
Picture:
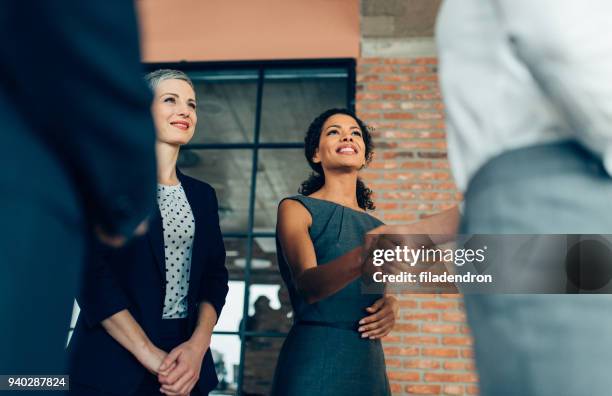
(180, 369)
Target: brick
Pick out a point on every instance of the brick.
(399, 116)
(370, 61)
(441, 135)
(382, 165)
(421, 364)
(406, 327)
(392, 96)
(397, 135)
(393, 362)
(368, 77)
(434, 176)
(435, 196)
(414, 69)
(415, 87)
(426, 61)
(461, 341)
(459, 366)
(399, 61)
(440, 352)
(403, 376)
(472, 390)
(453, 390)
(416, 105)
(378, 105)
(458, 316)
(387, 205)
(398, 78)
(423, 389)
(431, 77)
(390, 338)
(369, 116)
(432, 155)
(432, 144)
(447, 377)
(400, 351)
(398, 154)
(429, 116)
(386, 145)
(398, 176)
(421, 316)
(403, 304)
(361, 96)
(396, 388)
(438, 304)
(381, 87)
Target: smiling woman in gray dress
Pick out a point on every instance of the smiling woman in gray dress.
(334, 345)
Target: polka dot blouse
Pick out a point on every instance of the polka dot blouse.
(179, 229)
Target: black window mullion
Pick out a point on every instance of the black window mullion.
(247, 267)
(254, 146)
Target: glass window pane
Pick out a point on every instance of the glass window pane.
(235, 254)
(227, 102)
(293, 98)
(269, 305)
(260, 361)
(229, 172)
(280, 173)
(226, 354)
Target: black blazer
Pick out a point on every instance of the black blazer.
(134, 278)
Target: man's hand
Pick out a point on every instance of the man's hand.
(180, 370)
(380, 322)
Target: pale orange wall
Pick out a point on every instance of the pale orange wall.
(213, 30)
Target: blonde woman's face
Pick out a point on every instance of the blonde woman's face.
(174, 111)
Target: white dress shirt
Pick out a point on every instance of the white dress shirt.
(518, 73)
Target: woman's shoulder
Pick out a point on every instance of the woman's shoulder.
(293, 204)
(190, 182)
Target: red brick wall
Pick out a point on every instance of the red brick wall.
(429, 353)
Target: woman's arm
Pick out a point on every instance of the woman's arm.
(214, 283)
(312, 282)
(126, 331)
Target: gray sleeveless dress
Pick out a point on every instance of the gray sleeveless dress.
(323, 353)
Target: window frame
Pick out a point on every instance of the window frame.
(261, 67)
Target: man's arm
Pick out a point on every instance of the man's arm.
(567, 48)
(78, 79)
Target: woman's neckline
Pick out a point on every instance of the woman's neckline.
(343, 206)
(169, 185)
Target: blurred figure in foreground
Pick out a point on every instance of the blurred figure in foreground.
(528, 92)
(78, 162)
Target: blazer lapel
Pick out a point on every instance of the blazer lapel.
(195, 202)
(156, 240)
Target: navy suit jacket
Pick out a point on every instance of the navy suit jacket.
(75, 116)
(133, 278)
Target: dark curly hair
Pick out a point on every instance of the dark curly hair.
(316, 180)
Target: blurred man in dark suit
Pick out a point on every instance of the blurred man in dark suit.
(77, 163)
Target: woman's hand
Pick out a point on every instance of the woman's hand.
(381, 320)
(180, 370)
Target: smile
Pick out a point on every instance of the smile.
(346, 150)
(182, 125)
